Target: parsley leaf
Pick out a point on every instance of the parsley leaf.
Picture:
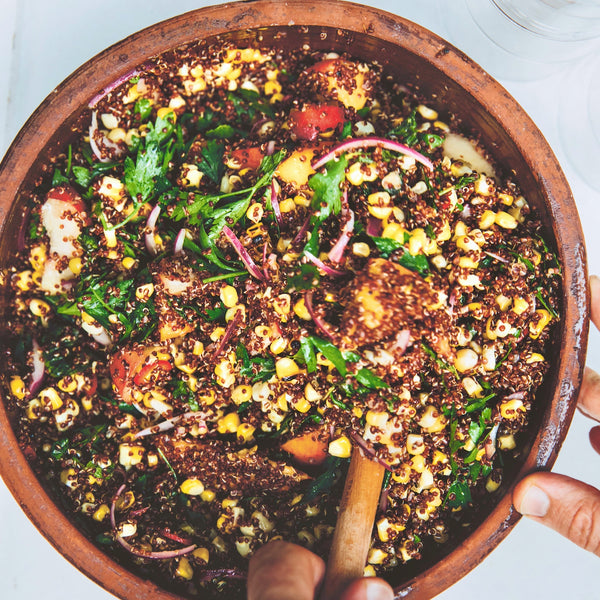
(327, 189)
(312, 344)
(369, 380)
(212, 161)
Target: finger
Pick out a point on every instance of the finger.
(595, 438)
(368, 588)
(564, 504)
(283, 571)
(589, 395)
(595, 304)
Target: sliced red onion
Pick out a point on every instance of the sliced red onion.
(270, 149)
(336, 254)
(490, 443)
(243, 254)
(275, 204)
(151, 230)
(515, 396)
(109, 88)
(266, 263)
(93, 144)
(174, 537)
(198, 416)
(384, 500)
(374, 227)
(319, 323)
(369, 450)
(401, 341)
(300, 235)
(179, 239)
(371, 142)
(228, 333)
(319, 263)
(165, 554)
(497, 257)
(39, 368)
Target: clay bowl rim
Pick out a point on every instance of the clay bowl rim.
(69, 97)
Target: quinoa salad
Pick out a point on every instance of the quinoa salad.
(249, 265)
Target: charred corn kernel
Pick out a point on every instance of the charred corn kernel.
(439, 457)
(510, 409)
(33, 409)
(201, 554)
(376, 556)
(263, 331)
(503, 302)
(488, 358)
(245, 432)
(50, 399)
(17, 387)
(192, 487)
(144, 292)
(101, 513)
(224, 373)
(229, 296)
(301, 405)
(340, 447)
(415, 444)
(255, 212)
(376, 419)
(505, 220)
(311, 394)
(165, 112)
(207, 496)
(130, 455)
(427, 113)
(482, 186)
(402, 473)
(286, 367)
(184, 569)
(393, 231)
(491, 485)
(361, 249)
(301, 311)
(278, 345)
(466, 262)
(535, 329)
(487, 219)
(369, 571)
(241, 394)
(228, 423)
(466, 359)
(506, 199)
(520, 305)
(507, 442)
(233, 311)
(417, 463)
(24, 281)
(472, 387)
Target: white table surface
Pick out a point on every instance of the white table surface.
(41, 42)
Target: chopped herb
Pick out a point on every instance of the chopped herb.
(369, 380)
(327, 198)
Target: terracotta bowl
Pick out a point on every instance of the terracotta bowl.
(412, 55)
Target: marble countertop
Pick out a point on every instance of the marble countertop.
(43, 42)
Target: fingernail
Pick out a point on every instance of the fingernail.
(535, 502)
(379, 590)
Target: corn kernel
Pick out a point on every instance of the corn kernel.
(245, 432)
(402, 473)
(472, 387)
(466, 359)
(393, 231)
(228, 423)
(207, 496)
(510, 409)
(241, 394)
(505, 220)
(224, 373)
(50, 398)
(418, 240)
(427, 113)
(301, 311)
(144, 292)
(278, 345)
(340, 447)
(369, 571)
(383, 527)
(229, 296)
(302, 405)
(128, 262)
(466, 262)
(286, 368)
(507, 442)
(184, 568)
(311, 394)
(415, 444)
(487, 219)
(432, 421)
(520, 305)
(201, 554)
(130, 455)
(361, 249)
(101, 513)
(491, 485)
(376, 556)
(39, 308)
(17, 387)
(506, 199)
(535, 329)
(192, 487)
(376, 419)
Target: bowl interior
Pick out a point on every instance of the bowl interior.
(432, 68)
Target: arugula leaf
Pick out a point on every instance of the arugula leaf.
(327, 189)
(223, 132)
(369, 380)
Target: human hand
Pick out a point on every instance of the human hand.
(284, 571)
(566, 505)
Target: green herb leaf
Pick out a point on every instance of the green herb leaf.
(386, 246)
(326, 480)
(212, 161)
(459, 495)
(418, 263)
(369, 380)
(327, 198)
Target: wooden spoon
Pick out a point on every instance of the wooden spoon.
(352, 535)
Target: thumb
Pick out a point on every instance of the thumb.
(368, 588)
(564, 504)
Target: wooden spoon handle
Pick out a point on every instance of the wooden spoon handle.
(352, 535)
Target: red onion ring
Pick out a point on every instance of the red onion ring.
(301, 232)
(336, 254)
(39, 368)
(370, 142)
(151, 230)
(228, 333)
(243, 254)
(369, 450)
(165, 554)
(109, 88)
(401, 341)
(275, 204)
(319, 323)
